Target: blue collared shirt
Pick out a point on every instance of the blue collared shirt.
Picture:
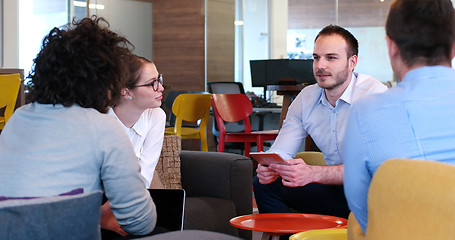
(415, 119)
(311, 113)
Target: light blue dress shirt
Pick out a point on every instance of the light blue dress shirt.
(415, 119)
(311, 113)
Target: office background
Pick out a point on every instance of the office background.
(196, 41)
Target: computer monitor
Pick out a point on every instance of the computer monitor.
(281, 72)
(258, 70)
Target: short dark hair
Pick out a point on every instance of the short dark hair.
(353, 44)
(134, 67)
(424, 30)
(84, 63)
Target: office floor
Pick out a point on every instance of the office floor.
(257, 235)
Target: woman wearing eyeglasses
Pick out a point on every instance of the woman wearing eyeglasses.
(138, 110)
(140, 114)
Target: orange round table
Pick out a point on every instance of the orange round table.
(276, 224)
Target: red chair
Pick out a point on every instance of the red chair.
(234, 108)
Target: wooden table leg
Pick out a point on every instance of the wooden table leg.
(284, 110)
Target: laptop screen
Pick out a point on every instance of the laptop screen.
(170, 207)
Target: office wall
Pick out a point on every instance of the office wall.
(178, 43)
(278, 28)
(364, 19)
(10, 34)
(193, 42)
(132, 19)
(220, 40)
(352, 13)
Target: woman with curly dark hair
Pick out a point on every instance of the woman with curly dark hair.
(62, 141)
(86, 66)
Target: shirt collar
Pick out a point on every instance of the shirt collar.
(425, 73)
(346, 96)
(138, 128)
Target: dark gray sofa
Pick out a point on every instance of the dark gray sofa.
(218, 187)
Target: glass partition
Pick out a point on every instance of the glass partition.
(132, 19)
(365, 20)
(36, 19)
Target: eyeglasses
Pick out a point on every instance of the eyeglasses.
(155, 84)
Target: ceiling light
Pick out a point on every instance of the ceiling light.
(91, 6)
(238, 23)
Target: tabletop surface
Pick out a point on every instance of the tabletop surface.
(287, 222)
(269, 110)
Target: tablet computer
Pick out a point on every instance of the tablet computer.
(265, 158)
(170, 207)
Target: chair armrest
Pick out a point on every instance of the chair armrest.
(220, 175)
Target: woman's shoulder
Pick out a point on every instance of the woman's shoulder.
(152, 117)
(154, 113)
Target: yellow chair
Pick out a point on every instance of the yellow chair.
(408, 199)
(191, 108)
(321, 234)
(9, 89)
(312, 158)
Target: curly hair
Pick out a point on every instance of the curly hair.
(353, 44)
(424, 30)
(84, 64)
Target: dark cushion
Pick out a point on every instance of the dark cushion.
(211, 214)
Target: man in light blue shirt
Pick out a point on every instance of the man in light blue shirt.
(415, 119)
(320, 111)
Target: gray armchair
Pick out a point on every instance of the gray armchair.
(219, 187)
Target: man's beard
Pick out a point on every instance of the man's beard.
(340, 78)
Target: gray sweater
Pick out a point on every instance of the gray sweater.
(47, 150)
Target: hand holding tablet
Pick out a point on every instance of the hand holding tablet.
(266, 158)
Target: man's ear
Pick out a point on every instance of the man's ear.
(453, 51)
(392, 47)
(352, 62)
(398, 66)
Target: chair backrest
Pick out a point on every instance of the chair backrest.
(191, 107)
(169, 101)
(225, 87)
(407, 199)
(9, 89)
(59, 217)
(412, 199)
(312, 158)
(232, 108)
